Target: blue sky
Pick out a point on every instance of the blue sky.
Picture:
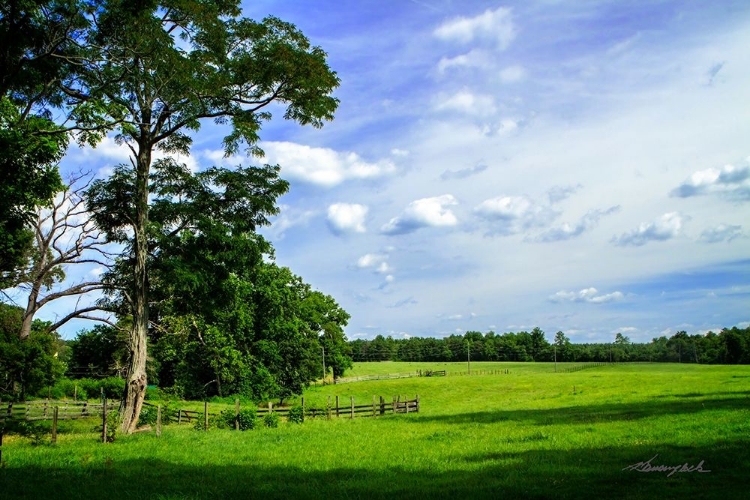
(577, 166)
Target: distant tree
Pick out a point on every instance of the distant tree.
(29, 365)
(99, 352)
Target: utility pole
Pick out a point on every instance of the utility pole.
(555, 358)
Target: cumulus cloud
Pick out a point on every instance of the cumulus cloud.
(720, 233)
(495, 26)
(425, 212)
(664, 228)
(589, 295)
(513, 214)
(347, 218)
(372, 260)
(729, 181)
(464, 172)
(567, 231)
(323, 167)
(467, 102)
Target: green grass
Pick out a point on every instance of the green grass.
(526, 434)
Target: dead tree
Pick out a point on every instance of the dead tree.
(64, 236)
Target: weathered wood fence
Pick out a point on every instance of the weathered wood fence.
(43, 410)
(584, 366)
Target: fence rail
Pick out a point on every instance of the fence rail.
(583, 366)
(43, 410)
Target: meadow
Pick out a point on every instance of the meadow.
(531, 433)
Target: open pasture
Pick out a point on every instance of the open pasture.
(526, 434)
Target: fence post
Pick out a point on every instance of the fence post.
(328, 408)
(394, 404)
(270, 407)
(302, 403)
(205, 415)
(382, 405)
(373, 406)
(158, 421)
(352, 402)
(337, 406)
(417, 403)
(55, 413)
(406, 404)
(237, 414)
(179, 416)
(104, 419)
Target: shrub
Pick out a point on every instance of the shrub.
(247, 419)
(296, 414)
(271, 420)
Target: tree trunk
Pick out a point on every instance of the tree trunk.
(135, 389)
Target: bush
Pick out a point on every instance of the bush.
(271, 420)
(150, 413)
(296, 414)
(247, 419)
(113, 387)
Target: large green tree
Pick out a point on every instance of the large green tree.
(158, 69)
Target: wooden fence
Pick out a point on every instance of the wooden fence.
(43, 410)
(584, 366)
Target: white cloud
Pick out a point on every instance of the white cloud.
(559, 193)
(567, 231)
(425, 212)
(664, 228)
(379, 265)
(371, 260)
(492, 25)
(722, 232)
(512, 74)
(347, 218)
(513, 214)
(476, 58)
(589, 295)
(730, 181)
(288, 218)
(323, 166)
(464, 172)
(467, 102)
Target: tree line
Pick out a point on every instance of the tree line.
(729, 346)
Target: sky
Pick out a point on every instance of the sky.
(578, 166)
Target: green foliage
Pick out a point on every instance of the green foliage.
(730, 346)
(247, 419)
(271, 420)
(98, 352)
(27, 366)
(113, 423)
(296, 414)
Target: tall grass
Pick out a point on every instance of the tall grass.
(527, 434)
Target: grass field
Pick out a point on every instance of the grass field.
(525, 434)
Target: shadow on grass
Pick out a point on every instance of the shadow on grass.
(580, 473)
(589, 414)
